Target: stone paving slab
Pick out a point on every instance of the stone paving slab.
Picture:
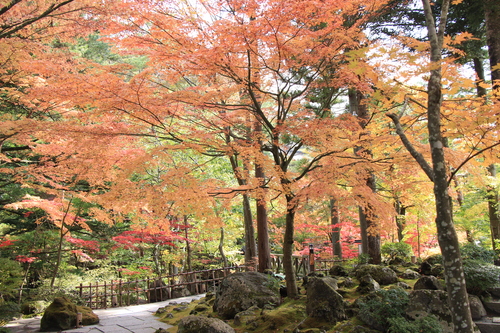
(131, 319)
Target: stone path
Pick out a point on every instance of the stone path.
(134, 318)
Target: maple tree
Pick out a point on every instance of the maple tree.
(247, 88)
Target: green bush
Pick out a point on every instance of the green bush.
(397, 251)
(475, 252)
(10, 279)
(378, 307)
(427, 324)
(479, 276)
(8, 311)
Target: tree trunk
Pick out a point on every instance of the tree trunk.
(264, 250)
(492, 16)
(400, 219)
(188, 245)
(221, 247)
(370, 235)
(447, 236)
(335, 235)
(291, 284)
(250, 244)
(492, 197)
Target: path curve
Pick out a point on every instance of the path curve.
(129, 319)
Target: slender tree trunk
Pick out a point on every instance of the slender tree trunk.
(250, 244)
(400, 219)
(370, 235)
(221, 247)
(492, 197)
(447, 236)
(188, 245)
(291, 284)
(335, 235)
(264, 250)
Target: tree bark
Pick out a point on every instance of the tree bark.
(221, 247)
(335, 235)
(264, 250)
(250, 244)
(447, 236)
(492, 16)
(370, 235)
(291, 284)
(188, 245)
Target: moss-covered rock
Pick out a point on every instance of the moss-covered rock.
(240, 291)
(424, 302)
(323, 301)
(62, 313)
(197, 324)
(383, 275)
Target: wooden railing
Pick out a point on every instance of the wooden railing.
(301, 264)
(139, 291)
(128, 292)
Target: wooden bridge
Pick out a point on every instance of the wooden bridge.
(139, 291)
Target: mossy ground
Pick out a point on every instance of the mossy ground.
(288, 317)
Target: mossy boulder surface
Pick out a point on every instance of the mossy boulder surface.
(240, 291)
(61, 315)
(323, 301)
(383, 275)
(198, 324)
(425, 301)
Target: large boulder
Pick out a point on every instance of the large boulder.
(197, 324)
(428, 282)
(323, 301)
(383, 275)
(477, 309)
(240, 291)
(425, 301)
(410, 274)
(61, 315)
(338, 270)
(367, 284)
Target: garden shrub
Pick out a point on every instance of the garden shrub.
(479, 276)
(400, 251)
(427, 324)
(8, 311)
(11, 279)
(475, 252)
(378, 307)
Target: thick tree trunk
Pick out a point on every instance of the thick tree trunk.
(291, 284)
(250, 244)
(335, 235)
(447, 236)
(492, 16)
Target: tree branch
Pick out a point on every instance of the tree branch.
(416, 155)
